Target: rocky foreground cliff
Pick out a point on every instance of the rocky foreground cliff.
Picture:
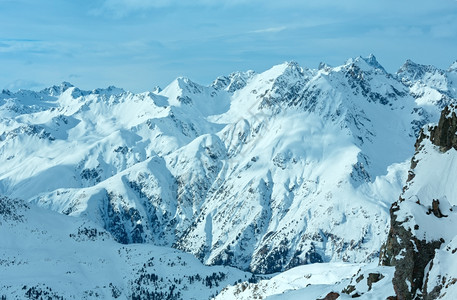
(421, 242)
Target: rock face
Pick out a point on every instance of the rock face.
(331, 296)
(409, 255)
(444, 135)
(423, 217)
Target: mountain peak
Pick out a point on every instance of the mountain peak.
(372, 61)
(410, 65)
(57, 90)
(6, 92)
(323, 66)
(66, 85)
(411, 72)
(366, 63)
(287, 69)
(182, 85)
(110, 90)
(232, 82)
(293, 68)
(292, 64)
(183, 80)
(157, 89)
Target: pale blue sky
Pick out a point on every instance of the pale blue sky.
(138, 44)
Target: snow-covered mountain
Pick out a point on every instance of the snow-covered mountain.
(259, 171)
(44, 255)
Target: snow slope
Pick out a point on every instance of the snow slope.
(44, 254)
(316, 281)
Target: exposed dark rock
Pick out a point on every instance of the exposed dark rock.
(372, 278)
(184, 99)
(122, 149)
(359, 278)
(359, 174)
(418, 146)
(408, 254)
(91, 176)
(349, 289)
(436, 209)
(331, 296)
(444, 135)
(435, 292)
(356, 295)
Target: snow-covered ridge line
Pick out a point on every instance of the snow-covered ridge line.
(238, 80)
(261, 171)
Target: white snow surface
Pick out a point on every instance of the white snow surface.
(443, 271)
(45, 254)
(315, 282)
(434, 180)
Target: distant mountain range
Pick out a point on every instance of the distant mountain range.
(257, 173)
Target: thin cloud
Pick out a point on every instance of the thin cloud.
(15, 45)
(23, 84)
(270, 30)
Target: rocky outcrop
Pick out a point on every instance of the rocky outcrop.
(444, 135)
(331, 296)
(364, 282)
(406, 249)
(409, 255)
